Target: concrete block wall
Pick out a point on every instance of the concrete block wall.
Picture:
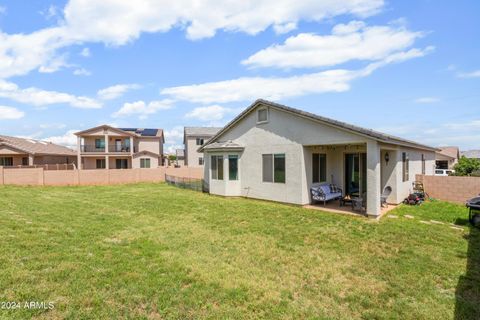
(451, 188)
(41, 177)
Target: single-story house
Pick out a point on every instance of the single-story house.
(274, 152)
(16, 151)
(447, 157)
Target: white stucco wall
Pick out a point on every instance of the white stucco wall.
(298, 138)
(191, 153)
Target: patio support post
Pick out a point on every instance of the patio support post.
(373, 179)
(79, 157)
(107, 162)
(30, 160)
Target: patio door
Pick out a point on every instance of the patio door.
(355, 173)
(118, 145)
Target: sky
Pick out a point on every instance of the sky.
(408, 68)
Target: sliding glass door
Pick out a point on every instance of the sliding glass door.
(355, 173)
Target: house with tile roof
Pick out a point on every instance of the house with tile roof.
(447, 157)
(106, 147)
(274, 152)
(16, 151)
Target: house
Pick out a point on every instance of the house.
(193, 138)
(179, 157)
(274, 152)
(106, 147)
(16, 151)
(447, 157)
(472, 154)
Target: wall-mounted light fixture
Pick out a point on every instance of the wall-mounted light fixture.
(387, 158)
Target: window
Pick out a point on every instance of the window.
(232, 167)
(262, 115)
(200, 141)
(99, 144)
(405, 166)
(144, 163)
(273, 166)
(121, 163)
(200, 161)
(25, 161)
(6, 161)
(101, 164)
(423, 163)
(319, 167)
(217, 167)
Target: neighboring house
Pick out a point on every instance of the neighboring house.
(274, 152)
(29, 152)
(180, 157)
(473, 154)
(193, 138)
(105, 147)
(446, 157)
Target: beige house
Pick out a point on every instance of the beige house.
(274, 152)
(105, 147)
(447, 157)
(29, 152)
(179, 157)
(193, 138)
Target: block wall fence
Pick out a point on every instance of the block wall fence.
(41, 177)
(451, 188)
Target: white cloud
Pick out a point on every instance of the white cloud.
(171, 149)
(143, 109)
(82, 72)
(10, 113)
(276, 88)
(116, 91)
(462, 134)
(347, 42)
(209, 113)
(174, 137)
(284, 28)
(3, 9)
(472, 74)
(69, 139)
(427, 100)
(85, 52)
(53, 126)
(117, 22)
(50, 13)
(38, 97)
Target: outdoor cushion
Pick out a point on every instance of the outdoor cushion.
(323, 192)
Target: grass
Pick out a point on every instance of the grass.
(152, 251)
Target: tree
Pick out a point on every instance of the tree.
(466, 166)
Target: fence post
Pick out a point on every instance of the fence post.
(2, 175)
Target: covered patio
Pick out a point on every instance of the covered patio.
(357, 169)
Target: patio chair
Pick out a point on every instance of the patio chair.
(360, 204)
(383, 198)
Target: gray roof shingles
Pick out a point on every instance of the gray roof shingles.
(201, 131)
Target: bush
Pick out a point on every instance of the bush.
(467, 166)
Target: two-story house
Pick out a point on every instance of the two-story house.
(194, 138)
(106, 147)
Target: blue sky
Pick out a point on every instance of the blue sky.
(409, 68)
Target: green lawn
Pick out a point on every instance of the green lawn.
(153, 251)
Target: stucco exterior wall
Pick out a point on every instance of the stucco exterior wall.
(298, 138)
(191, 153)
(154, 161)
(283, 134)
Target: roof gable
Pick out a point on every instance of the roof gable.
(319, 119)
